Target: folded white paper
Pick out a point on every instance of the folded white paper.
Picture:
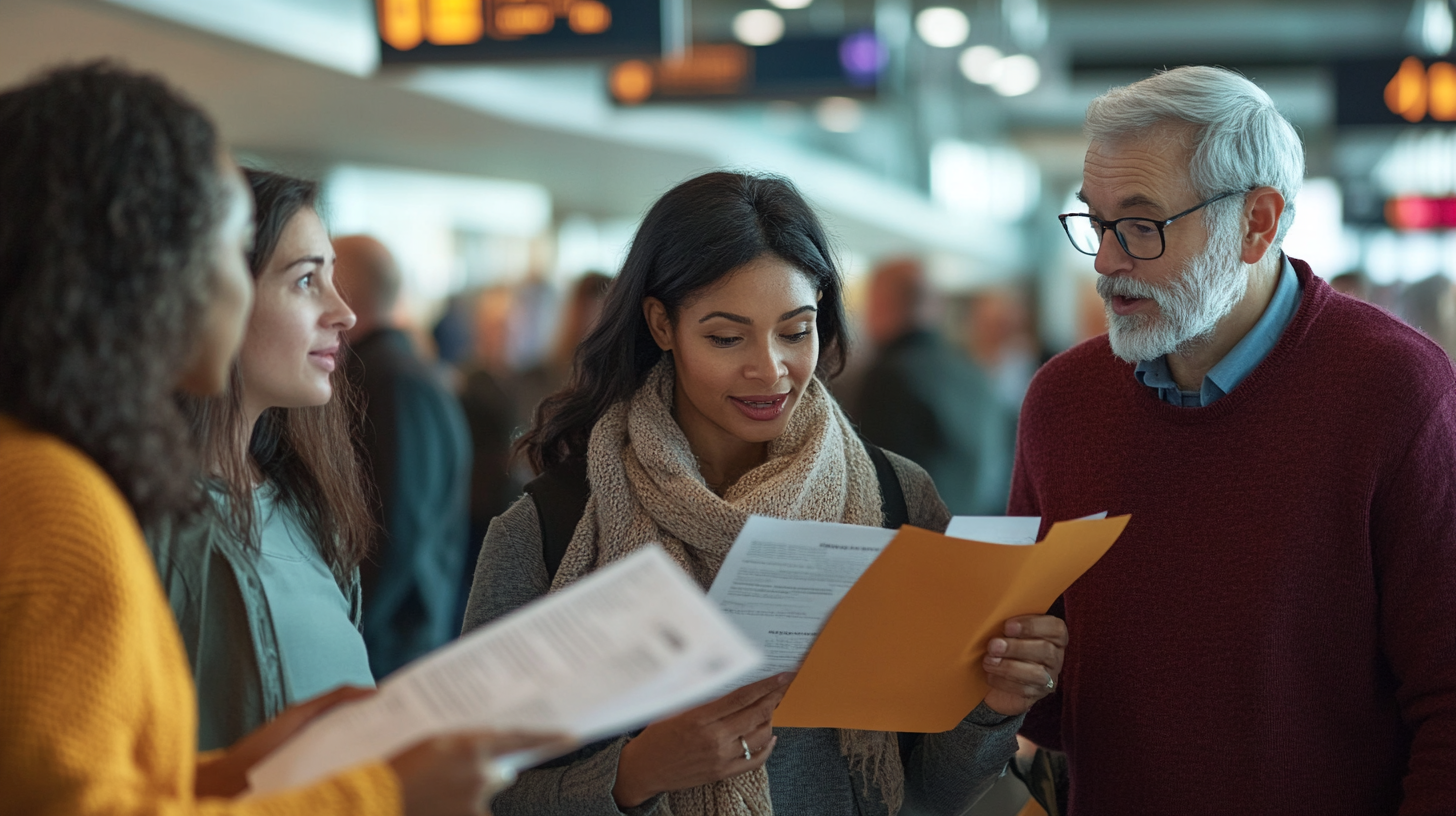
(628, 644)
(995, 529)
(781, 580)
(1016, 530)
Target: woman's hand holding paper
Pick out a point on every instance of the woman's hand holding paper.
(225, 773)
(1022, 667)
(456, 774)
(702, 745)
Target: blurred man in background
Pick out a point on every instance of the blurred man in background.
(418, 448)
(923, 399)
(1288, 459)
(500, 400)
(579, 315)
(998, 333)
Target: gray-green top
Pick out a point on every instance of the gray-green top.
(319, 641)
(262, 629)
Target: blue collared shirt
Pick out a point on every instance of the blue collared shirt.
(1241, 360)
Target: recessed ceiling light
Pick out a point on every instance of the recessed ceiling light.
(1020, 74)
(981, 64)
(943, 26)
(758, 27)
(839, 114)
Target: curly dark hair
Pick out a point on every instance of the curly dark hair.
(110, 196)
(307, 454)
(698, 233)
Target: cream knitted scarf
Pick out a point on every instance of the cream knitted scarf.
(645, 488)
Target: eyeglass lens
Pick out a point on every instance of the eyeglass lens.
(1141, 237)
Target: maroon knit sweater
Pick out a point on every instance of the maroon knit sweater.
(1275, 632)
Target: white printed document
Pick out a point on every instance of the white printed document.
(782, 579)
(628, 644)
(1015, 530)
(996, 529)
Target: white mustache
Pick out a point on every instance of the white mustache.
(1110, 287)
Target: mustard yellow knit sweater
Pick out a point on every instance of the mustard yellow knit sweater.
(97, 707)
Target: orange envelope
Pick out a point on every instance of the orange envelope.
(903, 650)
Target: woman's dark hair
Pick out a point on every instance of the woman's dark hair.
(694, 236)
(307, 454)
(110, 198)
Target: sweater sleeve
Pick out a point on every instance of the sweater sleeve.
(1043, 724)
(367, 789)
(511, 570)
(1023, 501)
(511, 573)
(922, 501)
(947, 773)
(98, 711)
(1413, 539)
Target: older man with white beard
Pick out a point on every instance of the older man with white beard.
(1276, 630)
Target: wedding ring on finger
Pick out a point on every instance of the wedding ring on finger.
(747, 754)
(1051, 683)
(497, 777)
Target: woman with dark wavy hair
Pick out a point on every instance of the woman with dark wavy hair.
(695, 403)
(122, 231)
(265, 581)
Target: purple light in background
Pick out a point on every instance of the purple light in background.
(863, 57)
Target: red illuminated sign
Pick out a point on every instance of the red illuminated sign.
(1419, 213)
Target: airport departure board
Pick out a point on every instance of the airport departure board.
(426, 31)
(1395, 91)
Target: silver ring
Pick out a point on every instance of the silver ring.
(497, 778)
(1051, 683)
(747, 754)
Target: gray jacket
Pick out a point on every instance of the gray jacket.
(944, 773)
(213, 587)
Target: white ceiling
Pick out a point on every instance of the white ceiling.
(327, 108)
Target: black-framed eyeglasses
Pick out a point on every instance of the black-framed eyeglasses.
(1141, 238)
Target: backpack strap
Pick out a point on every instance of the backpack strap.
(892, 494)
(560, 495)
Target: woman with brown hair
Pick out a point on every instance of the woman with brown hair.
(265, 583)
(696, 402)
(122, 228)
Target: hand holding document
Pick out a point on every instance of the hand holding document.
(628, 644)
(890, 627)
(903, 650)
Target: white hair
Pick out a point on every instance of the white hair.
(1240, 139)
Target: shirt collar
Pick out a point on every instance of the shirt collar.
(1241, 360)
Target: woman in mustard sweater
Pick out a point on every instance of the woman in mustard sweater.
(123, 226)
